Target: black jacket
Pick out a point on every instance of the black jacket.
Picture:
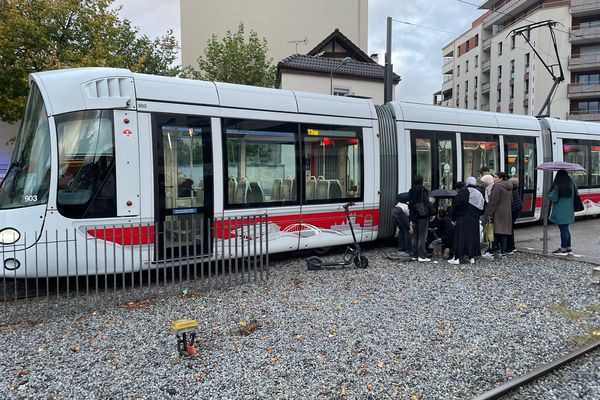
(417, 194)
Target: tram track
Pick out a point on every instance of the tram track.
(539, 372)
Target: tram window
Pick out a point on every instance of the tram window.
(575, 152)
(478, 153)
(86, 161)
(446, 164)
(183, 165)
(261, 162)
(530, 161)
(595, 162)
(333, 166)
(512, 158)
(423, 157)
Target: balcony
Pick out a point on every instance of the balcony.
(584, 62)
(487, 44)
(578, 90)
(584, 115)
(585, 35)
(485, 87)
(447, 84)
(582, 8)
(485, 107)
(448, 68)
(486, 65)
(506, 11)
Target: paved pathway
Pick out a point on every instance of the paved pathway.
(585, 239)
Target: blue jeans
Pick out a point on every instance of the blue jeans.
(565, 236)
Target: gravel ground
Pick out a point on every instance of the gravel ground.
(395, 330)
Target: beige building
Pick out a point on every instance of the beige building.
(289, 26)
(487, 69)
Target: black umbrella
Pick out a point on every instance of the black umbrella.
(442, 193)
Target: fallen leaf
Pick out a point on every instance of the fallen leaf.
(343, 392)
(135, 305)
(522, 305)
(243, 323)
(249, 328)
(354, 301)
(76, 349)
(381, 365)
(199, 378)
(332, 334)
(298, 338)
(275, 358)
(509, 373)
(269, 350)
(245, 375)
(93, 314)
(414, 397)
(596, 333)
(21, 372)
(369, 387)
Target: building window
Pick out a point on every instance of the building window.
(341, 91)
(592, 78)
(527, 63)
(512, 42)
(587, 107)
(458, 70)
(512, 69)
(499, 73)
(499, 94)
(525, 110)
(500, 48)
(467, 66)
(476, 61)
(475, 81)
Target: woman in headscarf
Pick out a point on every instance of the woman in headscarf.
(467, 209)
(487, 181)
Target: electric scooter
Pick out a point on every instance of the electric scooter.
(353, 252)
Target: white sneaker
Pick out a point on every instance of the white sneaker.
(453, 261)
(471, 260)
(488, 256)
(424, 259)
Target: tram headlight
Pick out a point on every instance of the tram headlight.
(9, 236)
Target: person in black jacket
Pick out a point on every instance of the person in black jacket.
(418, 198)
(517, 205)
(467, 209)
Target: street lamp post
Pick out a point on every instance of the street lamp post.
(344, 62)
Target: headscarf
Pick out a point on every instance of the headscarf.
(487, 181)
(475, 196)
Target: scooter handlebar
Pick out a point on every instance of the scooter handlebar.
(349, 204)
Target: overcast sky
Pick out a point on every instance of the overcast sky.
(417, 51)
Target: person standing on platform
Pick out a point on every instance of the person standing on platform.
(517, 205)
(561, 193)
(467, 209)
(418, 198)
(499, 211)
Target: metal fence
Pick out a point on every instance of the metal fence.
(104, 260)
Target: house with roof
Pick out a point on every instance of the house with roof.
(335, 66)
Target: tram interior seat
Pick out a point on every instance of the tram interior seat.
(288, 189)
(322, 190)
(311, 187)
(231, 185)
(276, 190)
(335, 189)
(241, 192)
(256, 193)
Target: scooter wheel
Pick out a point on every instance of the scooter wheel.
(361, 262)
(314, 263)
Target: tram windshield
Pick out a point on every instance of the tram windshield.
(27, 180)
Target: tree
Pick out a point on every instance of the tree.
(234, 60)
(37, 35)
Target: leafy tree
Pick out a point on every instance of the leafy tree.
(37, 35)
(235, 60)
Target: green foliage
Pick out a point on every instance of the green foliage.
(235, 60)
(38, 35)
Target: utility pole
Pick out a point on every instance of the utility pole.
(388, 71)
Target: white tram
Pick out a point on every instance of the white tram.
(103, 147)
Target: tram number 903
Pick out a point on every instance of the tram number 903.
(30, 198)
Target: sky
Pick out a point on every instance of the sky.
(419, 31)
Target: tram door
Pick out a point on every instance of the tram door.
(433, 157)
(185, 182)
(520, 161)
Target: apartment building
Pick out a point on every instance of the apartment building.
(487, 68)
